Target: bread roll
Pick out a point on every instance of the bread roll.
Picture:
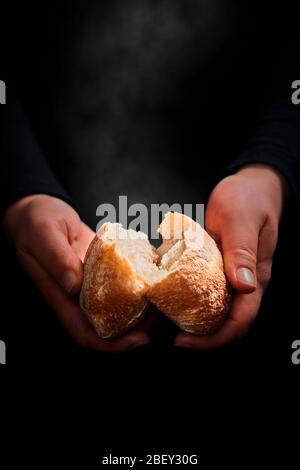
(116, 279)
(184, 278)
(194, 292)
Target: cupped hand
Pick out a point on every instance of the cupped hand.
(51, 242)
(243, 215)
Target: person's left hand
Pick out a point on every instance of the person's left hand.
(243, 215)
(51, 241)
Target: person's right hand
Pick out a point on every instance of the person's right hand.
(243, 216)
(51, 242)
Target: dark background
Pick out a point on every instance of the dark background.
(113, 120)
(152, 99)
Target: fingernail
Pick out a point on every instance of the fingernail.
(68, 281)
(246, 276)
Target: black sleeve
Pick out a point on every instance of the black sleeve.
(25, 169)
(276, 142)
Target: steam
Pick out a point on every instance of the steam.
(127, 62)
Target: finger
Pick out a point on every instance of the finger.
(73, 318)
(239, 240)
(266, 247)
(243, 311)
(51, 248)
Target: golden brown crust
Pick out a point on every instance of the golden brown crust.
(196, 295)
(109, 295)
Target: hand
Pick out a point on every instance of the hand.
(243, 215)
(51, 242)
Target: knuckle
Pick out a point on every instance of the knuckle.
(245, 254)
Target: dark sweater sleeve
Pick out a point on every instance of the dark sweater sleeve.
(25, 169)
(276, 142)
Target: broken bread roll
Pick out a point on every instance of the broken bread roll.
(119, 267)
(184, 278)
(193, 292)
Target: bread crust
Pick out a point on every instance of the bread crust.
(196, 295)
(109, 295)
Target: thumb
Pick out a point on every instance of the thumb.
(239, 245)
(52, 250)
